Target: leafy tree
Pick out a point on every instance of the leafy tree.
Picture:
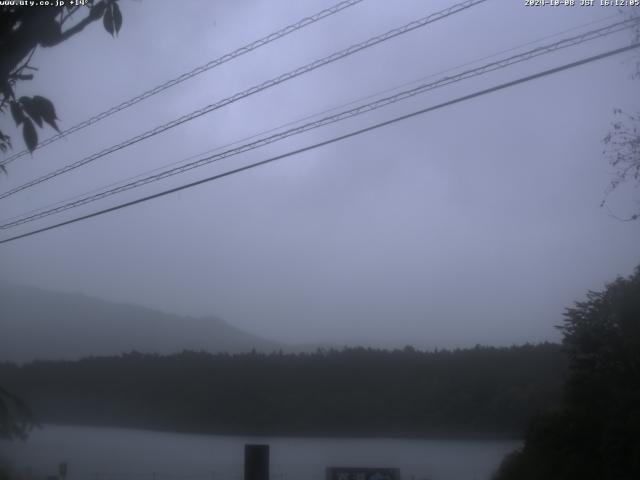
(622, 145)
(596, 433)
(22, 30)
(622, 149)
(602, 338)
(16, 420)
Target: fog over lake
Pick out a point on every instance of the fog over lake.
(113, 453)
(368, 233)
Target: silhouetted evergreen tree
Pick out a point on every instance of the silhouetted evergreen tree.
(596, 433)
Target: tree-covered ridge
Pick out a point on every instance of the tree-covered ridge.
(595, 434)
(355, 391)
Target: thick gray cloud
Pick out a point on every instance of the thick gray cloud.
(478, 223)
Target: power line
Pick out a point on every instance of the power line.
(490, 67)
(333, 140)
(196, 71)
(564, 43)
(258, 88)
(307, 117)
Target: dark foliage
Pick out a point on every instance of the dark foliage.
(23, 28)
(355, 391)
(16, 419)
(622, 149)
(596, 432)
(622, 143)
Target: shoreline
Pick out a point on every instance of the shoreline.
(435, 436)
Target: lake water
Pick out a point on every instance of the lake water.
(119, 454)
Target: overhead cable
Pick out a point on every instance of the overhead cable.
(258, 88)
(353, 112)
(192, 73)
(330, 141)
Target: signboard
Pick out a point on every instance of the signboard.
(355, 473)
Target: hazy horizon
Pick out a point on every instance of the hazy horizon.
(475, 224)
(71, 301)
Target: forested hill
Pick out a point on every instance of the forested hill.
(45, 325)
(350, 392)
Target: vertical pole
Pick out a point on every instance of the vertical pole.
(256, 462)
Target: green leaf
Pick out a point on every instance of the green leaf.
(29, 134)
(108, 22)
(117, 17)
(46, 110)
(16, 112)
(5, 140)
(31, 108)
(6, 90)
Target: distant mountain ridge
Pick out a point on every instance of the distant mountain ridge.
(39, 324)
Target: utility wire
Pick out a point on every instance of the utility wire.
(490, 67)
(258, 88)
(24, 218)
(196, 71)
(306, 117)
(464, 98)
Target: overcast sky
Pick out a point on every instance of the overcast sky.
(478, 223)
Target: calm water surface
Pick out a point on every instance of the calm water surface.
(119, 454)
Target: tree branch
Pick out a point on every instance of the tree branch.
(77, 28)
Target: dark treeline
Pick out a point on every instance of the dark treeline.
(594, 434)
(356, 391)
